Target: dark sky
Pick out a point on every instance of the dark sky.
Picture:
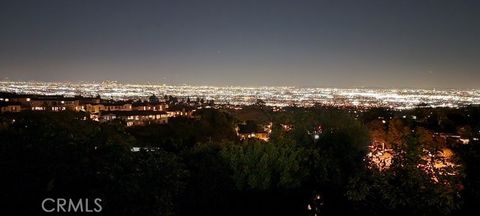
(339, 43)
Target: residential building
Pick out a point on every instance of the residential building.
(10, 107)
(133, 118)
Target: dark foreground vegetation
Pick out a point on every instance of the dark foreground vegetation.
(198, 166)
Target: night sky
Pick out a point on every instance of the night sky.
(336, 43)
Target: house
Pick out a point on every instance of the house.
(88, 100)
(13, 97)
(249, 131)
(133, 118)
(10, 107)
(41, 102)
(94, 107)
(52, 103)
(117, 106)
(133, 113)
(180, 111)
(155, 106)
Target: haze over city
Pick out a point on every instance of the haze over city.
(346, 43)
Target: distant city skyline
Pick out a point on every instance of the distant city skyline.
(303, 43)
(273, 96)
(158, 83)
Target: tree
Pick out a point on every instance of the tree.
(407, 187)
(268, 177)
(61, 156)
(470, 159)
(397, 131)
(336, 159)
(259, 165)
(210, 186)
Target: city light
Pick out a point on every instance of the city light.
(272, 96)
